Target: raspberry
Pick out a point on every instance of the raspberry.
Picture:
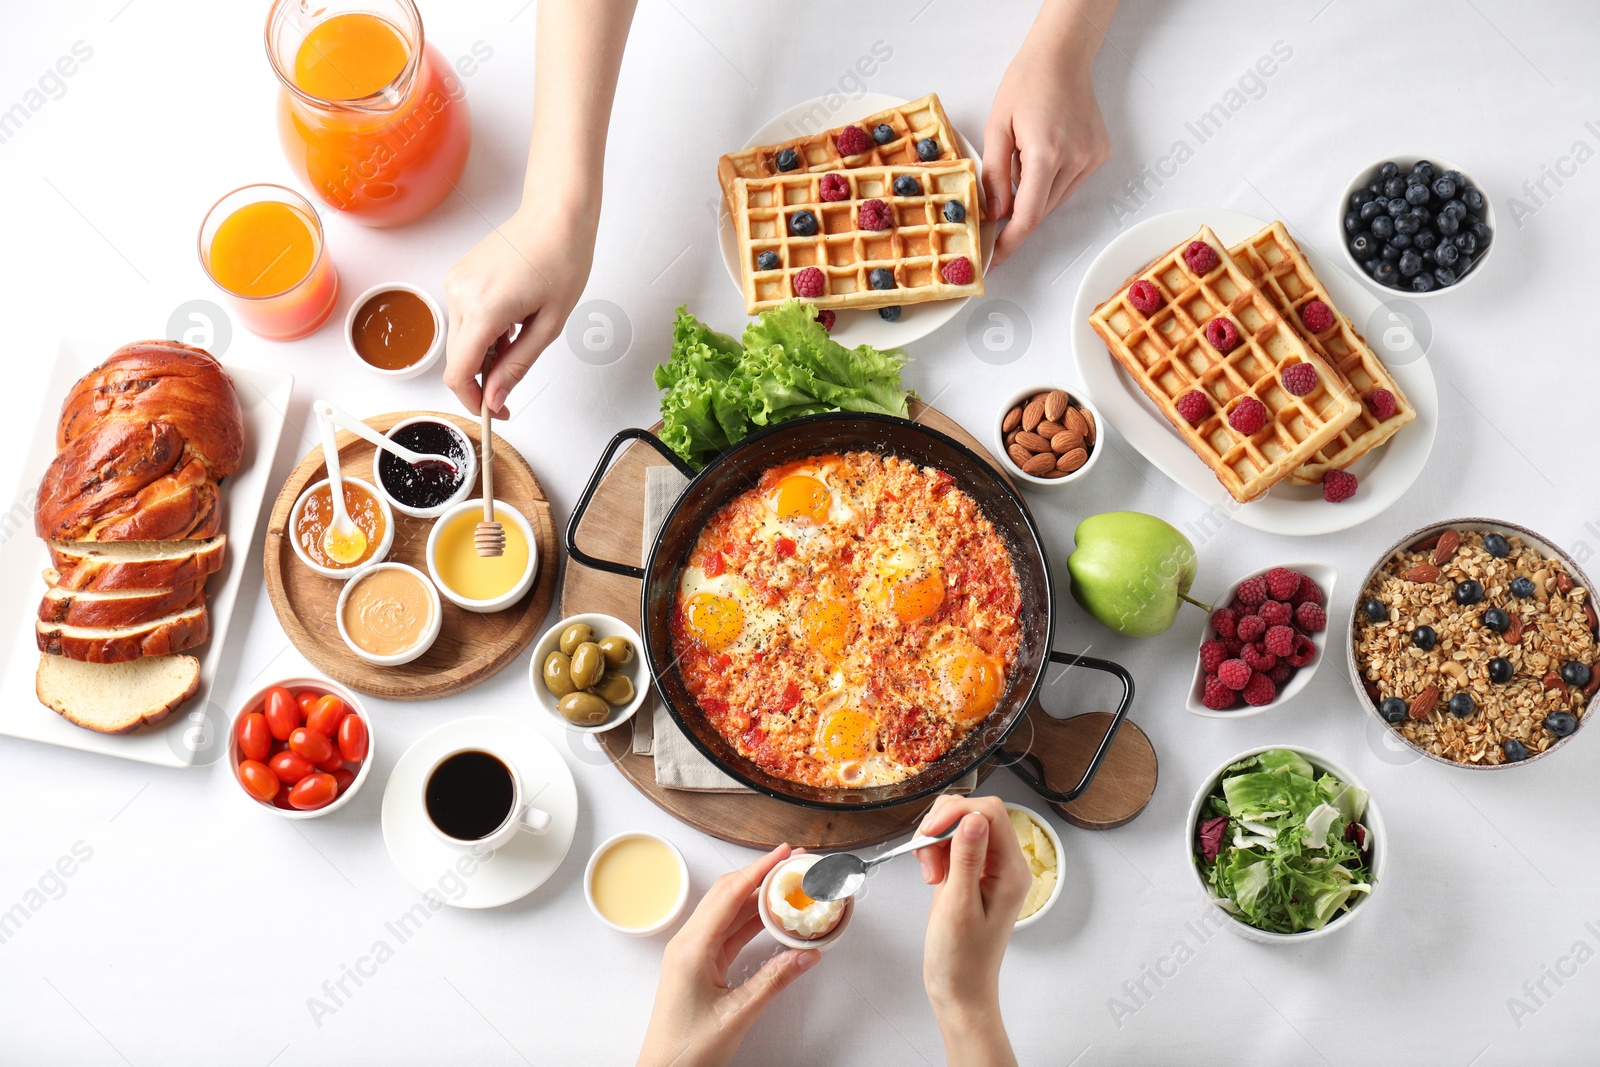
(1223, 334)
(1337, 486)
(1280, 640)
(1144, 296)
(1225, 622)
(1304, 651)
(1234, 673)
(1282, 582)
(810, 282)
(1308, 593)
(1251, 627)
(1252, 591)
(1300, 378)
(1276, 613)
(1201, 257)
(1194, 406)
(1233, 645)
(1260, 691)
(1311, 618)
(874, 215)
(852, 141)
(1258, 658)
(834, 187)
(958, 271)
(1281, 674)
(1249, 417)
(1212, 655)
(1382, 403)
(1218, 696)
(827, 318)
(1317, 316)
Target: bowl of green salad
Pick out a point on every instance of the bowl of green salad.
(1286, 843)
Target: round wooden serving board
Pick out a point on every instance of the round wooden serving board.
(471, 646)
(614, 529)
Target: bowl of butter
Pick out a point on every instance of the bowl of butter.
(1041, 848)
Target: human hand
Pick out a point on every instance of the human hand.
(698, 1019)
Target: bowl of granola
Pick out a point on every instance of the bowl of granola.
(1475, 641)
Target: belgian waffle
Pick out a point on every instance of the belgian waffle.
(1276, 264)
(1167, 354)
(911, 122)
(915, 248)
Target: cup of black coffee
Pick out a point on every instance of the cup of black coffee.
(474, 797)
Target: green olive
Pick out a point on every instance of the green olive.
(573, 636)
(558, 675)
(584, 709)
(615, 688)
(618, 651)
(588, 664)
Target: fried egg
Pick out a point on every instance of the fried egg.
(826, 622)
(724, 613)
(905, 581)
(808, 495)
(795, 912)
(966, 679)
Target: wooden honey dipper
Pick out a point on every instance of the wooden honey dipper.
(490, 536)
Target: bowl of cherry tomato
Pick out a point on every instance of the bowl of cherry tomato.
(301, 747)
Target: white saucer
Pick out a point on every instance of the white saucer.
(508, 874)
(1384, 474)
(857, 327)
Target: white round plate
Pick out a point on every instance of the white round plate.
(857, 327)
(511, 872)
(1299, 510)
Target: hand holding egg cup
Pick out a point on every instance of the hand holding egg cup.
(622, 661)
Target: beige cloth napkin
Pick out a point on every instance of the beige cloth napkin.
(679, 765)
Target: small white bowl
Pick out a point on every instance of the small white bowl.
(784, 937)
(1029, 481)
(429, 358)
(341, 574)
(257, 701)
(1321, 573)
(603, 626)
(503, 513)
(1371, 819)
(469, 467)
(1366, 176)
(683, 884)
(430, 633)
(1055, 843)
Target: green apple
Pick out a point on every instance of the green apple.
(1131, 571)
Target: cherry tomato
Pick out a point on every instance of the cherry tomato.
(344, 776)
(257, 780)
(255, 739)
(313, 791)
(353, 738)
(307, 699)
(312, 745)
(290, 767)
(283, 714)
(325, 714)
(278, 746)
(282, 800)
(332, 763)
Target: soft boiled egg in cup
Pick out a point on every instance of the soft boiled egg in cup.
(793, 918)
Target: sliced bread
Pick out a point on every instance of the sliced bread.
(119, 644)
(116, 607)
(116, 698)
(110, 565)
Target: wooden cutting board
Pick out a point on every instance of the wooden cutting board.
(471, 646)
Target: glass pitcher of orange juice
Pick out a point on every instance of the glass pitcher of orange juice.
(371, 115)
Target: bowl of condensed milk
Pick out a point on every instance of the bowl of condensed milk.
(389, 614)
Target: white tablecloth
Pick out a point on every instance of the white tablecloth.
(194, 930)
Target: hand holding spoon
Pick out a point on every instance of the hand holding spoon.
(343, 540)
(843, 873)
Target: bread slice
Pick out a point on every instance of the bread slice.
(116, 698)
(119, 644)
(109, 565)
(116, 607)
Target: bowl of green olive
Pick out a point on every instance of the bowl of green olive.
(588, 671)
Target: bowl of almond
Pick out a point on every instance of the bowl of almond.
(1048, 438)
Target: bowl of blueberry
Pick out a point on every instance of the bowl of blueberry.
(1416, 226)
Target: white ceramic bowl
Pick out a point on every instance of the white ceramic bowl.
(683, 884)
(1029, 481)
(1055, 842)
(341, 574)
(1371, 819)
(257, 701)
(603, 626)
(1365, 176)
(429, 358)
(822, 944)
(430, 633)
(504, 513)
(469, 469)
(1321, 573)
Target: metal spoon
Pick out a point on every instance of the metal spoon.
(367, 433)
(843, 873)
(343, 540)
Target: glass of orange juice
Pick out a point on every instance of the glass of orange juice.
(262, 245)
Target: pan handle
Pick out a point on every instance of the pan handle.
(1019, 766)
(611, 566)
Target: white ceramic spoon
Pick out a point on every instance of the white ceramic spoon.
(343, 540)
(343, 419)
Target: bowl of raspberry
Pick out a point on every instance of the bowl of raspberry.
(1264, 640)
(1416, 226)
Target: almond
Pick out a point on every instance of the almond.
(1426, 544)
(1065, 442)
(1424, 573)
(1073, 420)
(1594, 623)
(1088, 424)
(1513, 634)
(1033, 413)
(1422, 704)
(1445, 550)
(1563, 583)
(1047, 428)
(1019, 455)
(1553, 681)
(1071, 460)
(1594, 679)
(1012, 420)
(1011, 438)
(1032, 441)
(1055, 404)
(1040, 465)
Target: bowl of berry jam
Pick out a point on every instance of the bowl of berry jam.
(1418, 227)
(429, 490)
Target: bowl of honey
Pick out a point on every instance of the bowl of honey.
(313, 512)
(481, 583)
(395, 330)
